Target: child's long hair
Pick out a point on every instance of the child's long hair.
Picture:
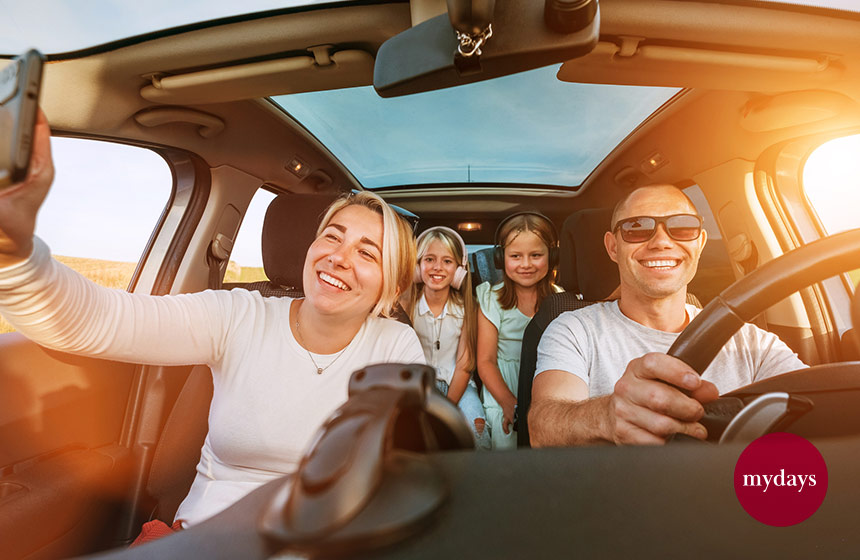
(462, 296)
(545, 231)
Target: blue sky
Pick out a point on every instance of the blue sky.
(492, 131)
(107, 198)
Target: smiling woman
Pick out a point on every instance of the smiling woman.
(244, 338)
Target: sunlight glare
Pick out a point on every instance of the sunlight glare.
(831, 181)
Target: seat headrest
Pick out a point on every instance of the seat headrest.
(584, 265)
(288, 230)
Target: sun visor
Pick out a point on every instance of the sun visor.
(632, 63)
(321, 71)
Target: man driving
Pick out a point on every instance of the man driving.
(599, 369)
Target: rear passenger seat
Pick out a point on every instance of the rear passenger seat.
(482, 267)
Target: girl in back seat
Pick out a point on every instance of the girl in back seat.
(527, 251)
(443, 314)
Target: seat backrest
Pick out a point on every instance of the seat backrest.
(289, 228)
(178, 451)
(482, 267)
(584, 266)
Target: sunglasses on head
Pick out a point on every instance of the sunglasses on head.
(680, 227)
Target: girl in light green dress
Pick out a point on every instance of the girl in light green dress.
(526, 249)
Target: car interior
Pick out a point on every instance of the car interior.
(91, 449)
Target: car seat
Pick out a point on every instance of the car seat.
(482, 267)
(289, 228)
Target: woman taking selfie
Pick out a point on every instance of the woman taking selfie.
(280, 366)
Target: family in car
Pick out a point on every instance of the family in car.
(600, 374)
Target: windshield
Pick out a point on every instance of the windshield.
(525, 128)
(57, 26)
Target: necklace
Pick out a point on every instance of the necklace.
(316, 365)
(441, 321)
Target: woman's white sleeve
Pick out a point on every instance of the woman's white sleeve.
(58, 308)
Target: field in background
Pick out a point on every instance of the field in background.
(118, 275)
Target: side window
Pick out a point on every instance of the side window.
(246, 261)
(102, 208)
(831, 182)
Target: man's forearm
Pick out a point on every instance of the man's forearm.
(554, 423)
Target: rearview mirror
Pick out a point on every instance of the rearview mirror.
(525, 34)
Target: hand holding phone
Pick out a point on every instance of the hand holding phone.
(20, 81)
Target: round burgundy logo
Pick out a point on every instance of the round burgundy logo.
(781, 479)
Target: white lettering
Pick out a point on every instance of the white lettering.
(752, 480)
(802, 478)
(780, 479)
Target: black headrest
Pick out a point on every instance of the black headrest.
(288, 231)
(584, 265)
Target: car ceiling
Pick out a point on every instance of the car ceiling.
(738, 104)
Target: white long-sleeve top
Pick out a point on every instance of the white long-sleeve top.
(268, 399)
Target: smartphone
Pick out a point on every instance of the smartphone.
(20, 81)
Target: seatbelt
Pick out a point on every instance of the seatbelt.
(216, 257)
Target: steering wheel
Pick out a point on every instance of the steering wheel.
(703, 338)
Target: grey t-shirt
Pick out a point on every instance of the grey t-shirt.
(597, 342)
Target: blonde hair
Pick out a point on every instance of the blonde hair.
(461, 296)
(398, 247)
(542, 227)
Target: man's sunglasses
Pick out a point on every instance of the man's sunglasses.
(680, 227)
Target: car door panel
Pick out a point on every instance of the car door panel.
(61, 466)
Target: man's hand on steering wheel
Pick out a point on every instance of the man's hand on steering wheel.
(647, 407)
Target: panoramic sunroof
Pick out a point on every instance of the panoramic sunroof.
(528, 128)
(57, 26)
